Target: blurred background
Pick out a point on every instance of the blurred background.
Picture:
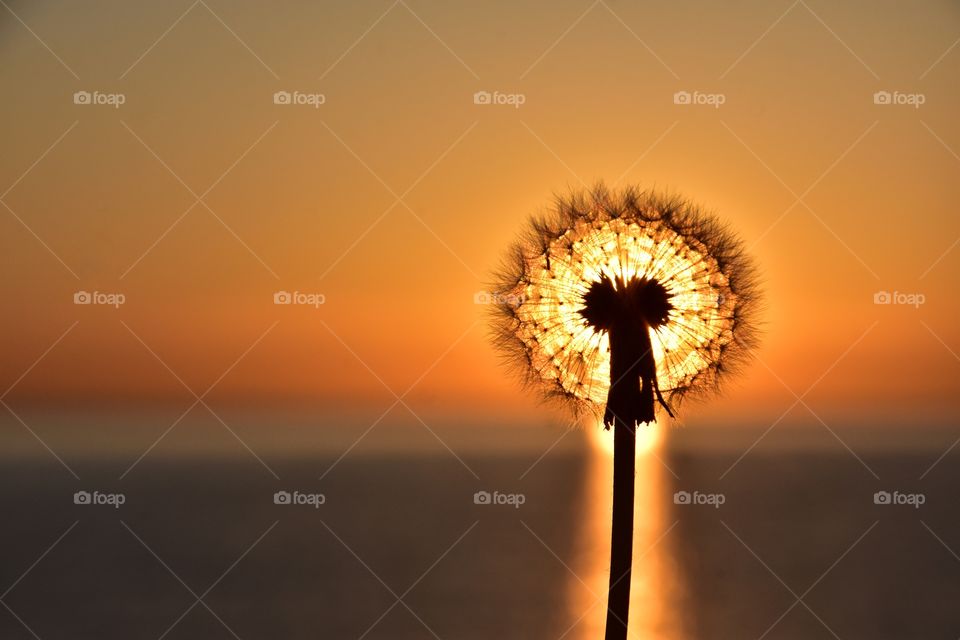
(244, 250)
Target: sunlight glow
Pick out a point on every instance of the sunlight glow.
(649, 438)
(568, 351)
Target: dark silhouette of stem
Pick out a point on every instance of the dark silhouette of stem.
(621, 538)
(630, 403)
(628, 310)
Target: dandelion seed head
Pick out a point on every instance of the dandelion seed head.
(704, 327)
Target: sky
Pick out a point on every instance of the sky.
(388, 193)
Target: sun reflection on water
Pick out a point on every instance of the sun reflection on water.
(654, 609)
(648, 440)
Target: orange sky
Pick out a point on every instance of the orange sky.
(309, 199)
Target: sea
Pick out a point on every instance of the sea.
(252, 529)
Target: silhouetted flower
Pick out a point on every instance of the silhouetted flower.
(652, 258)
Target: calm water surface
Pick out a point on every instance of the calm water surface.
(399, 549)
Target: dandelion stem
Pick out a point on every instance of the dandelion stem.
(621, 539)
(630, 403)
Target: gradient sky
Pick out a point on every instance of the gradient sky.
(837, 197)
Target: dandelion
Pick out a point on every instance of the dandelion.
(625, 304)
